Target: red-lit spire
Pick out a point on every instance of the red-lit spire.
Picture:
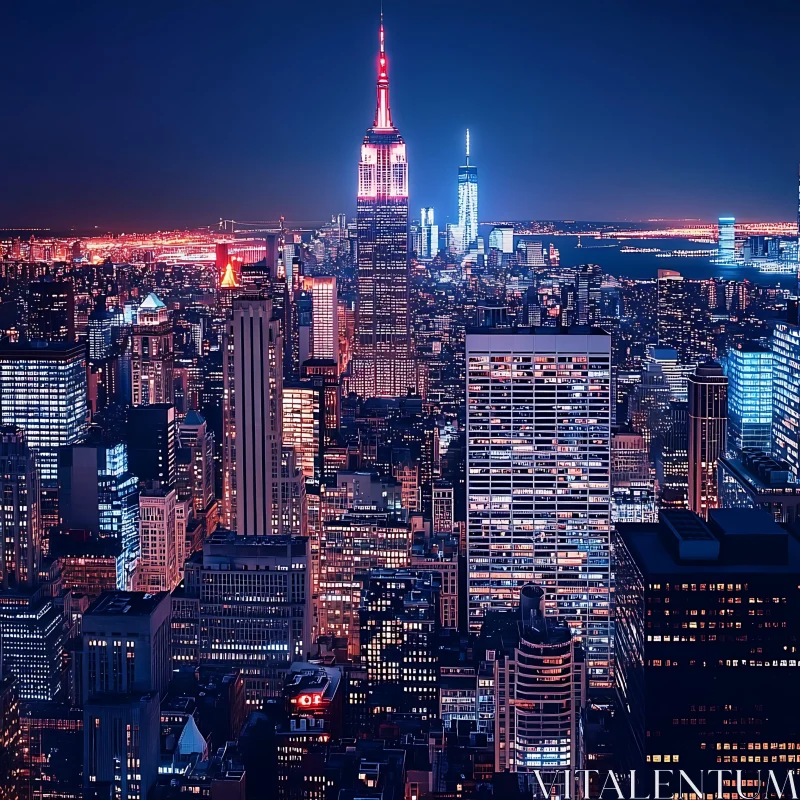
(383, 114)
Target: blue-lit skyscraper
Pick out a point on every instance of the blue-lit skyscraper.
(727, 240)
(749, 397)
(468, 202)
(429, 234)
(786, 394)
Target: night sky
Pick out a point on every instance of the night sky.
(158, 113)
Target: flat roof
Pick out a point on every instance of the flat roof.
(129, 603)
(653, 558)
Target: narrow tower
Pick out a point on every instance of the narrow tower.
(383, 364)
(468, 202)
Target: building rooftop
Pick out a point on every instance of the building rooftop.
(151, 303)
(747, 542)
(130, 603)
(41, 349)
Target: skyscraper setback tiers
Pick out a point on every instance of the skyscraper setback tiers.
(383, 365)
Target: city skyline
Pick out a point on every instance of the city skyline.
(185, 129)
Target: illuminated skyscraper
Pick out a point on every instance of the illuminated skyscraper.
(429, 234)
(383, 363)
(786, 394)
(43, 391)
(51, 310)
(468, 201)
(252, 429)
(727, 240)
(708, 425)
(153, 360)
(750, 397)
(324, 318)
(538, 477)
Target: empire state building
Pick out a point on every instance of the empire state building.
(383, 364)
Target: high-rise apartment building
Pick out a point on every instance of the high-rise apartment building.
(786, 394)
(152, 354)
(20, 521)
(383, 364)
(158, 568)
(51, 310)
(353, 545)
(708, 430)
(538, 477)
(152, 439)
(252, 418)
(99, 331)
(699, 689)
(400, 608)
(540, 674)
(43, 391)
(126, 668)
(263, 583)
(98, 494)
(468, 202)
(428, 234)
(195, 469)
(324, 318)
(726, 240)
(749, 397)
(302, 426)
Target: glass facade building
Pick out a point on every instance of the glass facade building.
(786, 395)
(749, 398)
(468, 202)
(727, 240)
(538, 477)
(43, 391)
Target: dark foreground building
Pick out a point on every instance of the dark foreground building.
(708, 616)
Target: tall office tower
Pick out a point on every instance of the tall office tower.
(267, 624)
(501, 238)
(443, 508)
(633, 496)
(429, 234)
(749, 397)
(533, 252)
(352, 546)
(468, 202)
(302, 427)
(20, 522)
(541, 671)
(673, 467)
(708, 429)
(126, 668)
(727, 240)
(675, 373)
(673, 320)
(588, 279)
(538, 477)
(401, 607)
(383, 364)
(686, 572)
(786, 394)
(51, 310)
(98, 494)
(195, 463)
(151, 441)
(33, 635)
(153, 356)
(252, 421)
(324, 318)
(10, 739)
(99, 331)
(43, 391)
(158, 568)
